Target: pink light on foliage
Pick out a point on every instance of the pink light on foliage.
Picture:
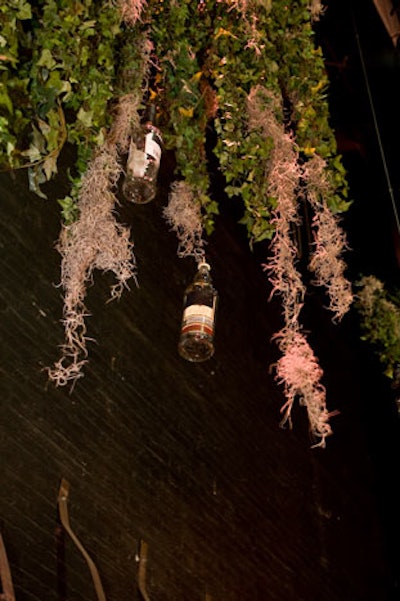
(298, 370)
(131, 10)
(329, 240)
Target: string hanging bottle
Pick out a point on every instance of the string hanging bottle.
(196, 341)
(140, 183)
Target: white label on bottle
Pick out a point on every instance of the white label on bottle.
(152, 148)
(198, 318)
(200, 310)
(137, 161)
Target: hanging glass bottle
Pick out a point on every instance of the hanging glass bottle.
(140, 183)
(197, 332)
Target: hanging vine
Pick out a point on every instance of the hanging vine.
(247, 70)
(379, 311)
(184, 216)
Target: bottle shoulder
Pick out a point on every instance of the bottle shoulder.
(201, 286)
(202, 280)
(149, 127)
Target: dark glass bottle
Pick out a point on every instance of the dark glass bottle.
(198, 322)
(140, 183)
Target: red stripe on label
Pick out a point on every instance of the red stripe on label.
(195, 327)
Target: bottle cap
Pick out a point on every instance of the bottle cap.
(203, 264)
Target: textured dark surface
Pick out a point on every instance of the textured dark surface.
(188, 457)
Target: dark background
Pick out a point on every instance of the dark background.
(363, 66)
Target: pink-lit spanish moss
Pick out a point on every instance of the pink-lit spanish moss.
(329, 240)
(299, 372)
(131, 10)
(95, 241)
(298, 368)
(183, 214)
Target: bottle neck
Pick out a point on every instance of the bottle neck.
(203, 274)
(150, 115)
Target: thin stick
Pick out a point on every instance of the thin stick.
(63, 509)
(5, 575)
(142, 570)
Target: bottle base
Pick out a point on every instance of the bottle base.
(196, 348)
(139, 192)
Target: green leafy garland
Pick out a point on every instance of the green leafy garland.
(65, 70)
(229, 51)
(60, 75)
(379, 312)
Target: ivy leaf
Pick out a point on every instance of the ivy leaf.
(50, 166)
(36, 177)
(5, 100)
(212, 207)
(69, 209)
(88, 25)
(46, 59)
(38, 142)
(24, 11)
(186, 112)
(197, 76)
(10, 149)
(224, 32)
(85, 117)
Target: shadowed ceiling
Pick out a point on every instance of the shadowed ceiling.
(359, 41)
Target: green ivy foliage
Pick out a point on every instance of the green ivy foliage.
(232, 51)
(379, 312)
(304, 83)
(240, 58)
(180, 36)
(15, 106)
(58, 79)
(64, 64)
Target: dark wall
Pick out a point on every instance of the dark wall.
(189, 458)
(363, 67)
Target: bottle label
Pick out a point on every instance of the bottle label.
(137, 161)
(152, 147)
(198, 318)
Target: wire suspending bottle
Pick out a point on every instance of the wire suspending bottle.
(140, 183)
(196, 341)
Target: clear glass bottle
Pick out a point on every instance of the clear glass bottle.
(198, 322)
(140, 183)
